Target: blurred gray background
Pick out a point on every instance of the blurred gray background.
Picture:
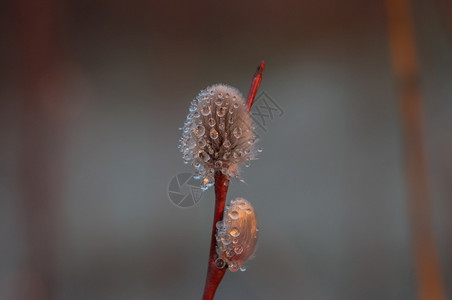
(92, 94)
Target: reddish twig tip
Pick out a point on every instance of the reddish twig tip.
(257, 78)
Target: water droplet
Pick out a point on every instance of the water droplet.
(192, 108)
(234, 232)
(207, 181)
(218, 164)
(213, 134)
(248, 211)
(242, 268)
(219, 225)
(196, 114)
(220, 263)
(199, 130)
(237, 132)
(221, 247)
(203, 155)
(243, 205)
(229, 253)
(235, 240)
(218, 100)
(238, 249)
(209, 149)
(226, 183)
(251, 141)
(237, 153)
(221, 111)
(260, 149)
(226, 143)
(201, 143)
(221, 126)
(234, 215)
(226, 240)
(196, 163)
(191, 143)
(205, 110)
(211, 122)
(236, 105)
(233, 267)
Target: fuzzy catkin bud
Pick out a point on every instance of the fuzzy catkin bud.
(218, 134)
(236, 235)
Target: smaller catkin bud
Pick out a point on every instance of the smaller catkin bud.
(236, 235)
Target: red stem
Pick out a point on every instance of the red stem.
(215, 275)
(257, 78)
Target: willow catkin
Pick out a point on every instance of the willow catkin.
(236, 235)
(218, 134)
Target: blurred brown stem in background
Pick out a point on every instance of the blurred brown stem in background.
(40, 144)
(405, 65)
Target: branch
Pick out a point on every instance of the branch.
(214, 274)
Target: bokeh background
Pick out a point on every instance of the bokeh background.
(92, 94)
